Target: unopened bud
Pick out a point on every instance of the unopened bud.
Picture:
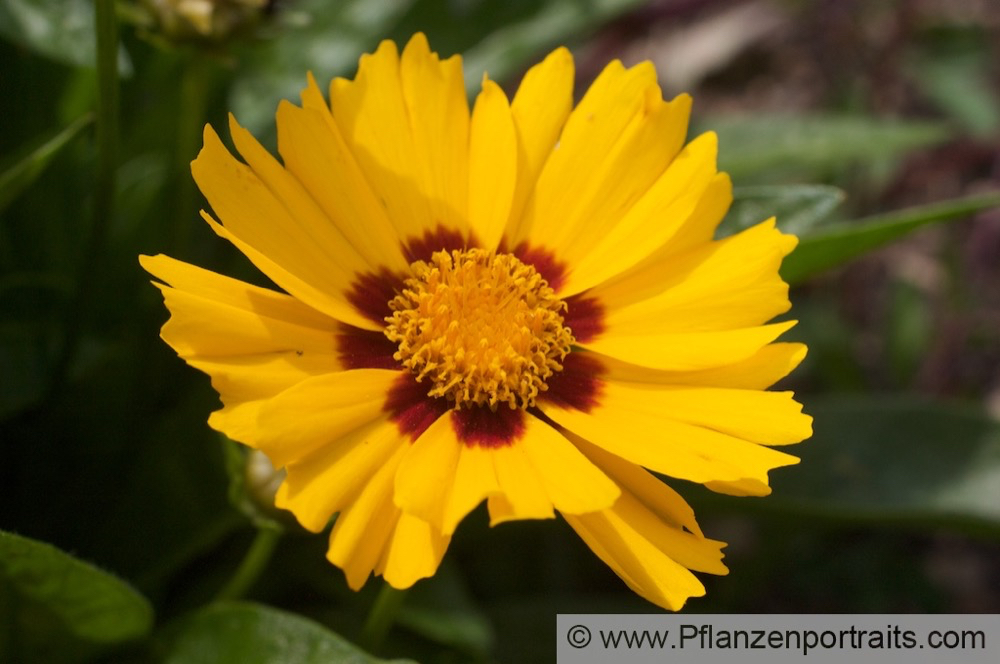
(262, 479)
(193, 20)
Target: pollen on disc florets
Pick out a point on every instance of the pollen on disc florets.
(483, 328)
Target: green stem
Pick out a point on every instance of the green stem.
(106, 27)
(381, 617)
(195, 84)
(253, 564)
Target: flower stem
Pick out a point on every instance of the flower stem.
(381, 617)
(106, 27)
(195, 86)
(254, 562)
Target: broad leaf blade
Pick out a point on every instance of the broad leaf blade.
(246, 633)
(835, 246)
(798, 207)
(895, 458)
(750, 145)
(92, 604)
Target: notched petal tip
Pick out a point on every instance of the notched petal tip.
(210, 143)
(489, 89)
(240, 135)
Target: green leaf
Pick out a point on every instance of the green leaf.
(798, 207)
(62, 30)
(789, 145)
(91, 604)
(19, 175)
(837, 245)
(247, 633)
(895, 458)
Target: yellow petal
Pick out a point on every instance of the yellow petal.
(768, 418)
(589, 135)
(413, 552)
(647, 534)
(687, 549)
(685, 229)
(744, 487)
(371, 114)
(202, 327)
(296, 254)
(758, 372)
(524, 496)
(237, 420)
(655, 218)
(540, 107)
(643, 486)
(360, 533)
(724, 285)
(310, 225)
(603, 222)
(573, 484)
(475, 479)
(315, 153)
(214, 315)
(250, 377)
(319, 411)
(492, 165)
(253, 342)
(441, 479)
(699, 227)
(641, 565)
(426, 476)
(328, 479)
(645, 424)
(615, 144)
(214, 286)
(687, 351)
(439, 119)
(406, 120)
(372, 535)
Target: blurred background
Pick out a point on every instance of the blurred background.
(871, 128)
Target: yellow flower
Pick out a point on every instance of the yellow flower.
(523, 304)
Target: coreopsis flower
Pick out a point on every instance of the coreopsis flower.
(523, 304)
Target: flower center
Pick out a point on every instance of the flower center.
(484, 328)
